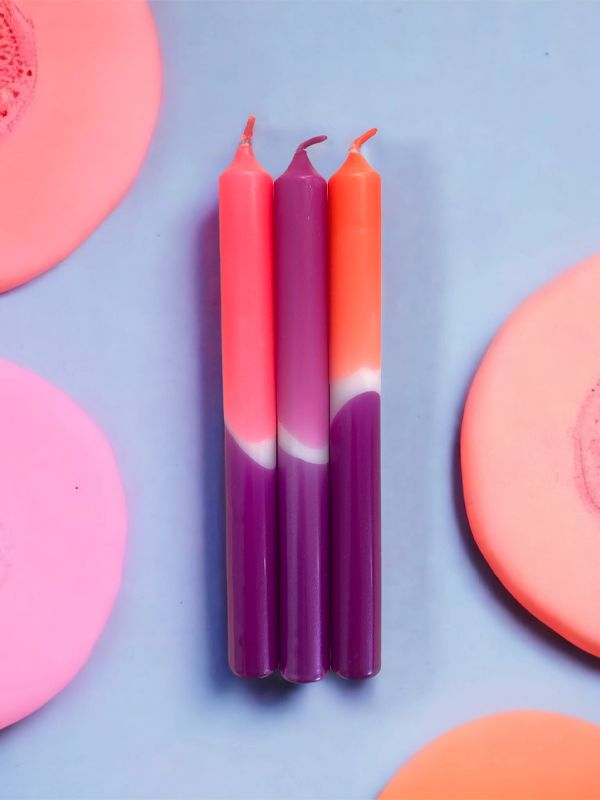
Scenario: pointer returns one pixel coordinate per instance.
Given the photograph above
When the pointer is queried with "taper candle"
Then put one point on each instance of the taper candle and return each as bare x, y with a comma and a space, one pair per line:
300, 203
247, 331
355, 381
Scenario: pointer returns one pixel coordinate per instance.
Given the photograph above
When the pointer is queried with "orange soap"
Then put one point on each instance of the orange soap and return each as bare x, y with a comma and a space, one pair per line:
530, 452
519, 755
80, 86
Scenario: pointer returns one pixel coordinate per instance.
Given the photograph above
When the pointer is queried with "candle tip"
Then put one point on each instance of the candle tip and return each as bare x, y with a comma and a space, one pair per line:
360, 140
309, 142
248, 130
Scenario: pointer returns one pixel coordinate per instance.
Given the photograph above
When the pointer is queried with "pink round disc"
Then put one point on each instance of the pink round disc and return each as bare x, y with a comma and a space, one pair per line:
80, 87
530, 451
62, 539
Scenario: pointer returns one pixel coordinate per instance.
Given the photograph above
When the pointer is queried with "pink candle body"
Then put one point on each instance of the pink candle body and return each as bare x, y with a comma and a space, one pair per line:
247, 331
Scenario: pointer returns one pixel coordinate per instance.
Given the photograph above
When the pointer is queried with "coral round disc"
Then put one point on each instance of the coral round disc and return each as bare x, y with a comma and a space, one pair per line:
530, 452
62, 540
79, 95
520, 755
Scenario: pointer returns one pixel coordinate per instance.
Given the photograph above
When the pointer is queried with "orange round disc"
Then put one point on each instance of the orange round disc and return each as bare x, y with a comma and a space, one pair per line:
79, 95
530, 452
520, 755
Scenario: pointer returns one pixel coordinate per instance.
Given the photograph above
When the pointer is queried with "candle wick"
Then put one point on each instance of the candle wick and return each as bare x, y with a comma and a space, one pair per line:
360, 140
309, 142
248, 130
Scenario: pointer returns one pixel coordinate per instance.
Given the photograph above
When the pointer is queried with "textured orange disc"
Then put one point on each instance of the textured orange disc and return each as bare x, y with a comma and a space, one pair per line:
530, 451
520, 755
80, 84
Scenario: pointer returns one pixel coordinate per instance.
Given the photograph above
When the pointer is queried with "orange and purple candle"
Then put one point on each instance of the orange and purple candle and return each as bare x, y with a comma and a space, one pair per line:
300, 211
248, 345
355, 381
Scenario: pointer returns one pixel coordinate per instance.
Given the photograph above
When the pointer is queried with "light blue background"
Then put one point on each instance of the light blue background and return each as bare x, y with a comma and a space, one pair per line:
489, 151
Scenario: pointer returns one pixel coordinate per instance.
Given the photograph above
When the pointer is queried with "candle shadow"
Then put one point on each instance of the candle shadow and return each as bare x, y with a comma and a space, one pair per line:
510, 604
412, 289
206, 272
213, 617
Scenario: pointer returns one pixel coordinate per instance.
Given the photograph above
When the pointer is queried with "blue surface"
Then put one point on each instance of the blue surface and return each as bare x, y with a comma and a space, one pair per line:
489, 154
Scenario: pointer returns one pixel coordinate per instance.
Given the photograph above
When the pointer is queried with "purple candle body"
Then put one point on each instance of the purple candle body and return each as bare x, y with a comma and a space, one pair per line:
300, 209
355, 537
251, 542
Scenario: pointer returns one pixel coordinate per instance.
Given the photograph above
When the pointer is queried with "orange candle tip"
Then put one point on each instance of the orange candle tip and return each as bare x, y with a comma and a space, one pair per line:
360, 140
248, 130
309, 142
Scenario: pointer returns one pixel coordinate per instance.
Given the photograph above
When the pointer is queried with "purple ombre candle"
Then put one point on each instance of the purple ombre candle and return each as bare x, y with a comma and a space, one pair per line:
300, 216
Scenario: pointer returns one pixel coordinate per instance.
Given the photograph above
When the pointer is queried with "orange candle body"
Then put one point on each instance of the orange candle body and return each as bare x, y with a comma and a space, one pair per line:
355, 385
248, 351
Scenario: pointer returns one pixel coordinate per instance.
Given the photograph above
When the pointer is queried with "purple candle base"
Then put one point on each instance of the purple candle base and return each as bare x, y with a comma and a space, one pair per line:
356, 538
251, 563
304, 574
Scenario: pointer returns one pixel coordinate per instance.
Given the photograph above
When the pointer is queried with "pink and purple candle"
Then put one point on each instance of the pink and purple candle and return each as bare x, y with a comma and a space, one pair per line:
248, 346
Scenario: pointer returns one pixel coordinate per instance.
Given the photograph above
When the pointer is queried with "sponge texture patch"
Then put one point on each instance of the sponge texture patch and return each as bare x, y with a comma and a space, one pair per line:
18, 64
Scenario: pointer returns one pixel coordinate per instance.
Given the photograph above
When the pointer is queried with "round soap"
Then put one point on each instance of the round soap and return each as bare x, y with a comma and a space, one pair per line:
62, 539
80, 87
519, 755
530, 452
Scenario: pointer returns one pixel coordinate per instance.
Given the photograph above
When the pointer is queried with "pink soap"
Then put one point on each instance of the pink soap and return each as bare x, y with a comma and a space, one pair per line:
62, 540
